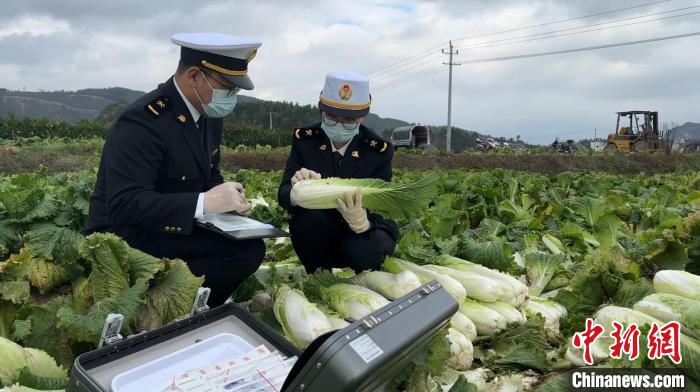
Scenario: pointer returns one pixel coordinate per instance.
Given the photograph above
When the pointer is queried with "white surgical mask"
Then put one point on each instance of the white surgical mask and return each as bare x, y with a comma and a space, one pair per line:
221, 102
337, 133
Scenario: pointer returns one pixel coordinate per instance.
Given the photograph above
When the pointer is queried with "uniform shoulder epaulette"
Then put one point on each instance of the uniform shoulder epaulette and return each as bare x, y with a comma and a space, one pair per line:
306, 133
377, 144
159, 105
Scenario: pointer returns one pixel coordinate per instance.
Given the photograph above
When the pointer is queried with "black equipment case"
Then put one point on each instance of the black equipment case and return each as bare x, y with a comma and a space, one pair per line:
364, 356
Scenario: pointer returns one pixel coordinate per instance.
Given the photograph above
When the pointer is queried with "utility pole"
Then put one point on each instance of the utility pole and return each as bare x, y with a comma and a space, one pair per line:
270, 120
448, 136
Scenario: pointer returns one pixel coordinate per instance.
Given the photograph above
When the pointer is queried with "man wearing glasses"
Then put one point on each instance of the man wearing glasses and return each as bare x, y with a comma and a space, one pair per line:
339, 146
160, 167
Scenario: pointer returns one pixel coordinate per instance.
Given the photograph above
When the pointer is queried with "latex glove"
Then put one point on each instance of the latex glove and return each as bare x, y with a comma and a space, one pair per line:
304, 174
300, 175
352, 211
226, 197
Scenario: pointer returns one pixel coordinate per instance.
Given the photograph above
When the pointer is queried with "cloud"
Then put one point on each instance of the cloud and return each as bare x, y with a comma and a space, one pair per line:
80, 43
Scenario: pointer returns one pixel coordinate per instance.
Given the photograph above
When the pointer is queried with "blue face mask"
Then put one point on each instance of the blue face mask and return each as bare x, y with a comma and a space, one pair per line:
337, 133
221, 102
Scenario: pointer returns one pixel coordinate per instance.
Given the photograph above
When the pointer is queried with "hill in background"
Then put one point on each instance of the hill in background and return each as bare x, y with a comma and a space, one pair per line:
105, 105
687, 131
63, 105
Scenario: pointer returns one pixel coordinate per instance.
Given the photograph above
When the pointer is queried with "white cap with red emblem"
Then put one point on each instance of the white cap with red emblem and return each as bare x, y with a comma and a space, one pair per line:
345, 94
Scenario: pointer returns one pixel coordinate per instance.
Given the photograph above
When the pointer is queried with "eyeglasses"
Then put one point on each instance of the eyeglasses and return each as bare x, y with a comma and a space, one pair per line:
229, 90
349, 124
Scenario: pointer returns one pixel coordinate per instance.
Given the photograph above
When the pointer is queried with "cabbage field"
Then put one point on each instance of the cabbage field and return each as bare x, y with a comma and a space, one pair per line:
529, 256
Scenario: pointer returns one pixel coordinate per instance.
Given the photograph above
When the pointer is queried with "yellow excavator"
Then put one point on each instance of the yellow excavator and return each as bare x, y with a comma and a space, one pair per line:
633, 135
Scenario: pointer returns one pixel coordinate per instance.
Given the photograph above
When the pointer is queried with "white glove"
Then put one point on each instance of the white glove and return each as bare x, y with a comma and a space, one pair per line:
353, 212
227, 197
304, 174
300, 175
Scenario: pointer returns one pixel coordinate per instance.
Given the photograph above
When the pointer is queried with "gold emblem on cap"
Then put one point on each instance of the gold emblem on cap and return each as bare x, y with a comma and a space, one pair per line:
345, 92
355, 154
182, 118
323, 147
251, 55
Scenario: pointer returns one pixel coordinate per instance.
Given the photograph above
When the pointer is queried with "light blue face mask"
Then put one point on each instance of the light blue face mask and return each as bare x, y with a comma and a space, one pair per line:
221, 102
337, 133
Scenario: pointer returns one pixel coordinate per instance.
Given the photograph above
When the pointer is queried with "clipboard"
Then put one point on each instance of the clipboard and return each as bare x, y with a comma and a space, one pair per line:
239, 227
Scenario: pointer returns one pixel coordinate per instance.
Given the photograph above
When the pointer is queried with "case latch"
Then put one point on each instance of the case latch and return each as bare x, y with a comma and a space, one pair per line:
111, 329
200, 301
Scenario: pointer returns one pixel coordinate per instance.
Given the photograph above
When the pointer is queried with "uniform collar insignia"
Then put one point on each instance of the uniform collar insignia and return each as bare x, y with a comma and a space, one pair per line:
305, 133
157, 106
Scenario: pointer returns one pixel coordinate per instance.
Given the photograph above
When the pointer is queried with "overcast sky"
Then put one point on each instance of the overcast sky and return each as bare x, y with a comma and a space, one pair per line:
75, 44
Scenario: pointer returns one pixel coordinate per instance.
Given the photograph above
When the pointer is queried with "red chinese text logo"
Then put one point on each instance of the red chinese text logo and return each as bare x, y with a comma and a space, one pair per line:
583, 340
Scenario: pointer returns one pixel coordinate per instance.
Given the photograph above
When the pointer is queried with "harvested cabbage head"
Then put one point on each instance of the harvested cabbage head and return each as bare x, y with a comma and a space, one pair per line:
680, 283
550, 310
461, 350
514, 291
477, 286
671, 307
463, 324
393, 198
389, 285
488, 322
352, 301
395, 265
300, 319
512, 315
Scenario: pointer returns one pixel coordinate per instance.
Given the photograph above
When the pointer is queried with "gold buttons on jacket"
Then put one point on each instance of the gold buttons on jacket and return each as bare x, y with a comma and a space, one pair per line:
171, 229
183, 178
179, 229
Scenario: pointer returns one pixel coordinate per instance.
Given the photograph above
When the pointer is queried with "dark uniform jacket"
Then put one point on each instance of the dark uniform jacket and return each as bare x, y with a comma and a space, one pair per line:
367, 156
153, 167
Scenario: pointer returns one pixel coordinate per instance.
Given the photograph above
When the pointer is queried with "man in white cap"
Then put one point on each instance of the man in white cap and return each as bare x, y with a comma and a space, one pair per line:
339, 146
160, 165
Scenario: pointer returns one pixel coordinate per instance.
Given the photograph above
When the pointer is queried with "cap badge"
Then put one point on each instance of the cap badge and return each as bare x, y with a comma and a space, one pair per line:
345, 92
323, 147
355, 154
182, 118
251, 55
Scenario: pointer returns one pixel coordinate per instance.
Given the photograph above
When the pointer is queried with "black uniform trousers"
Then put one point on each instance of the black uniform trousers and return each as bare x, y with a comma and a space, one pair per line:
224, 262
322, 239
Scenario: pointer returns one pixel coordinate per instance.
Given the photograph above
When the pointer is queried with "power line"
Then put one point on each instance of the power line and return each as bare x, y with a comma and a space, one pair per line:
407, 59
562, 21
583, 49
414, 76
422, 76
412, 59
505, 58
479, 46
423, 57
